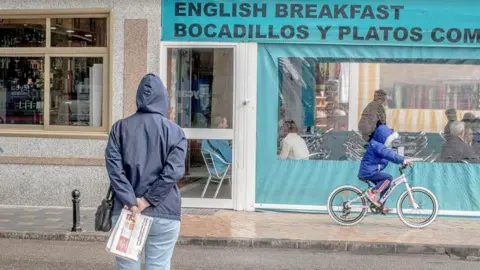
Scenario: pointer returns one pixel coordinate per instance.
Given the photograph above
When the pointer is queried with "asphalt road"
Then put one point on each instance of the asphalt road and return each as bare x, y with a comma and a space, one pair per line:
26, 254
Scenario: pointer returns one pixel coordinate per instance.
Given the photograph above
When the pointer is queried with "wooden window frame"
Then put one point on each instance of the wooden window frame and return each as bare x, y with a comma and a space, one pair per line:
47, 53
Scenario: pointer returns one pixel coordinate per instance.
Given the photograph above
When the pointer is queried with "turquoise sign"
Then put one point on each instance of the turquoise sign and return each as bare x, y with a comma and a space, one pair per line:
406, 22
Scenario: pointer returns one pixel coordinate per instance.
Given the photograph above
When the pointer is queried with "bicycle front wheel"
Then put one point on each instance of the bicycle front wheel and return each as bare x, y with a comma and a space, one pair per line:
424, 214
347, 206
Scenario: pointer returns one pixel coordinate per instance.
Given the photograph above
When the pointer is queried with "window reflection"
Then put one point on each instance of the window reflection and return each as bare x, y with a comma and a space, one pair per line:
79, 32
21, 90
76, 91
200, 81
17, 33
336, 106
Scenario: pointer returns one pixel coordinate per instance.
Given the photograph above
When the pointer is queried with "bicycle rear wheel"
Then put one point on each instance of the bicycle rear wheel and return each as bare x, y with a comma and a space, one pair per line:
347, 206
426, 212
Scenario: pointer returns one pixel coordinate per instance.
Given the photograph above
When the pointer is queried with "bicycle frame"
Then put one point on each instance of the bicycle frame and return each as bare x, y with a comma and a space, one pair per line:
361, 204
395, 183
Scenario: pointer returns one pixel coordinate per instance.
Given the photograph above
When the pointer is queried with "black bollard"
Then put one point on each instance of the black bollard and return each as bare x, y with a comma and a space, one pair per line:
76, 211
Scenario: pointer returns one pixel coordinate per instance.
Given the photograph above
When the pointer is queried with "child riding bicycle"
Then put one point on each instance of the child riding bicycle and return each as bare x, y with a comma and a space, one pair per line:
375, 160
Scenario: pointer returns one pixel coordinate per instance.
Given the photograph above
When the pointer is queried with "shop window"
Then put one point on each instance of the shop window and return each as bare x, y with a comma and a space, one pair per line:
19, 33
78, 32
79, 101
208, 162
200, 83
21, 90
321, 103
62, 86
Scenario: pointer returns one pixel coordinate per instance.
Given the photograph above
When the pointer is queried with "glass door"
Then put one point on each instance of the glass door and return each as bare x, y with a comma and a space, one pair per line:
200, 82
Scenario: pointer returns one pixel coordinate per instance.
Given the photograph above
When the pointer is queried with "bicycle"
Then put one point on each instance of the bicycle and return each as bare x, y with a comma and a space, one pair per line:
348, 207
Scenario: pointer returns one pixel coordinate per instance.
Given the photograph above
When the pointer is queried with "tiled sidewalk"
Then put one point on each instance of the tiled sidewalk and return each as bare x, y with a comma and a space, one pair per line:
42, 219
37, 219
376, 229
247, 225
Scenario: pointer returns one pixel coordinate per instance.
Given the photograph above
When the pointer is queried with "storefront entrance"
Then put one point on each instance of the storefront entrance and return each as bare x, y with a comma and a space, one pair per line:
208, 102
322, 66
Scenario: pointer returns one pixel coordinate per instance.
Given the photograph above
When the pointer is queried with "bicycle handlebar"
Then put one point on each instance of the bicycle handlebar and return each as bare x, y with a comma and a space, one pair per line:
403, 167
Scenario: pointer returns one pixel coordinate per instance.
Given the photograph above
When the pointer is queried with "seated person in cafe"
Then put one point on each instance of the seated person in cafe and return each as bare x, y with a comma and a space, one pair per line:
293, 146
221, 149
455, 148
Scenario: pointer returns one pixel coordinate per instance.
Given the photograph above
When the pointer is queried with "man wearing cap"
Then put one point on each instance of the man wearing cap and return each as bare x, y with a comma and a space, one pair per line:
373, 115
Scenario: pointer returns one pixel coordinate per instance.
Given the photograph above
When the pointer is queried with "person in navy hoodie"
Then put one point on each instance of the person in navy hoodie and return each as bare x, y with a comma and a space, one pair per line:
375, 160
145, 158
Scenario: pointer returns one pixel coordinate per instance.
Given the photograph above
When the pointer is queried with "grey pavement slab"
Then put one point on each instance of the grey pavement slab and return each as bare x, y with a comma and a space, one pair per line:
45, 219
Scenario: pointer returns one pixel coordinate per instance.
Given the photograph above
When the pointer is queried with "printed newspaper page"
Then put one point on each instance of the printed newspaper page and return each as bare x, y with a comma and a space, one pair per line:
128, 236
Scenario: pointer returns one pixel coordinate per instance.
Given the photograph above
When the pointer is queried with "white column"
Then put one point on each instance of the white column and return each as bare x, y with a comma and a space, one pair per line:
245, 131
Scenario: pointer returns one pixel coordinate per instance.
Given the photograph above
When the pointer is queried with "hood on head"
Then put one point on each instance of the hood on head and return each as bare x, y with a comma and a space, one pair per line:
152, 95
384, 135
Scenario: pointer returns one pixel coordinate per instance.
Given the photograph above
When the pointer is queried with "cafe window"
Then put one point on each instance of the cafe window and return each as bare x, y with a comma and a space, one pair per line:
322, 103
53, 72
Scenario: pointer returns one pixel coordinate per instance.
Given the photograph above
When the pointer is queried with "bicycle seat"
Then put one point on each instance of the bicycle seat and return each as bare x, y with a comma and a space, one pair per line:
368, 182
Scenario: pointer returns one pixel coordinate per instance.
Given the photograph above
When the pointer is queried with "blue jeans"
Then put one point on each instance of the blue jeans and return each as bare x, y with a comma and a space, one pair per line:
159, 247
382, 182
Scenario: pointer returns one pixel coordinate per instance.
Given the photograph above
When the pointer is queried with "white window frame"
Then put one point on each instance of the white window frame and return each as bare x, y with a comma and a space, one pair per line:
243, 131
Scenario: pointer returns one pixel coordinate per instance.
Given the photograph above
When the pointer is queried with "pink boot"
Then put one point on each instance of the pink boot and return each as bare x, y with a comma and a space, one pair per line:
372, 197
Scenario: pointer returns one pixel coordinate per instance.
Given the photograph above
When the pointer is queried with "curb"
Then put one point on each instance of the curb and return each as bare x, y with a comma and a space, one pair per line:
55, 236
338, 246
319, 245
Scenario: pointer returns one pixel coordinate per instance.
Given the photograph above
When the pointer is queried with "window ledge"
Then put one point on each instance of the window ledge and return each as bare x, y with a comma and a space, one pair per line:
74, 134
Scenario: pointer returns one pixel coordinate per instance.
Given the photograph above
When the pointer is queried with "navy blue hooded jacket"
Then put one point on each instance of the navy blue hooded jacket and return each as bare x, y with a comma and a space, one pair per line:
145, 154
378, 155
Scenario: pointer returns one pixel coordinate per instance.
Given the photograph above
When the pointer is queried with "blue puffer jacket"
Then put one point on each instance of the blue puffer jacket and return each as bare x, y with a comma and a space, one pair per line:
146, 153
377, 156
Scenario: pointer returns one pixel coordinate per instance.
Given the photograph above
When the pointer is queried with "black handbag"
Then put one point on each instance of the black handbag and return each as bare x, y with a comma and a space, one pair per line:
103, 216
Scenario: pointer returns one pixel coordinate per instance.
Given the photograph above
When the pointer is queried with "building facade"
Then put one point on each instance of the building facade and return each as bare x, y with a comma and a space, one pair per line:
270, 95
317, 66
69, 70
